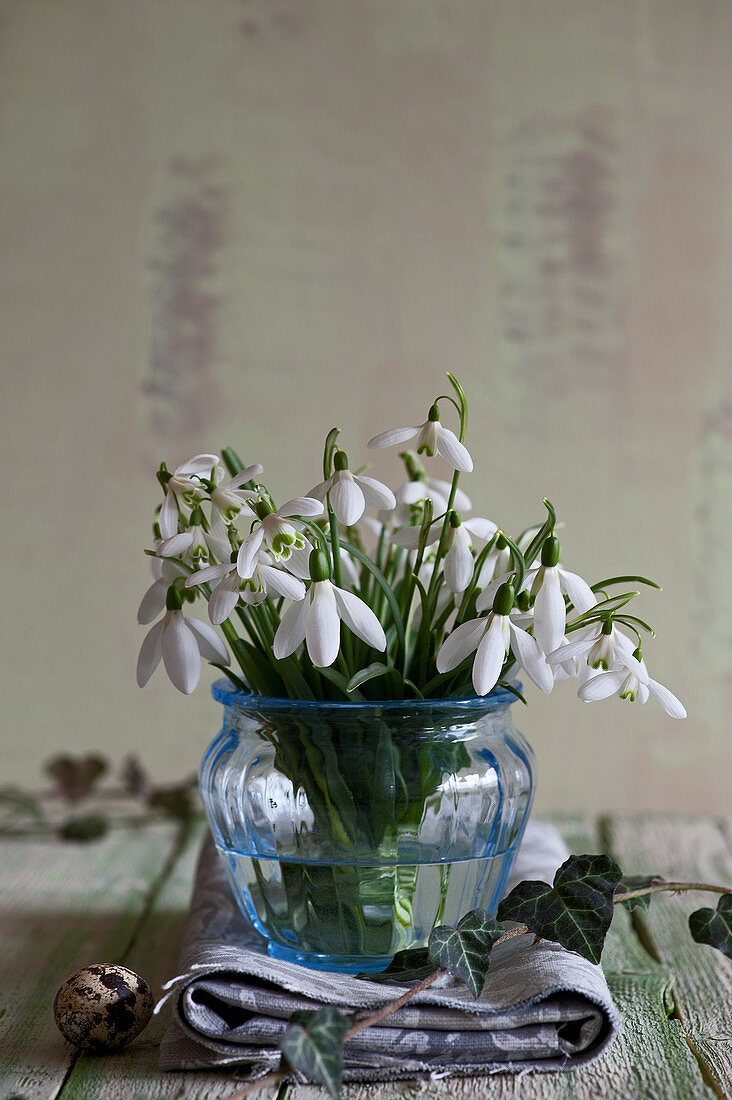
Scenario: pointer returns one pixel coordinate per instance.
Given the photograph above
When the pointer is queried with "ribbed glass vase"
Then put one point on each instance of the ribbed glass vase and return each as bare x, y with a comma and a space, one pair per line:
349, 830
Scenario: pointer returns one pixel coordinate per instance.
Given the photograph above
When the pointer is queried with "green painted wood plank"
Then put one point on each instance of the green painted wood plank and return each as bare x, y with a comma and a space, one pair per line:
63, 906
134, 1072
686, 849
649, 1060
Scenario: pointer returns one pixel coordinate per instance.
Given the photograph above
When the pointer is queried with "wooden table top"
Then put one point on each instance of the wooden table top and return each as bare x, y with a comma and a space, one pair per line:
124, 898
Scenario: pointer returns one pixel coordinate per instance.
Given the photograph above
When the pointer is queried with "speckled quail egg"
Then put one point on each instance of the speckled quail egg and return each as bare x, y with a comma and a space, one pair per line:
103, 1007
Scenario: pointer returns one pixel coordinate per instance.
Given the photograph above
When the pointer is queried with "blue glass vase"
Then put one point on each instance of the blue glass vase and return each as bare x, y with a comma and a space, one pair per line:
350, 830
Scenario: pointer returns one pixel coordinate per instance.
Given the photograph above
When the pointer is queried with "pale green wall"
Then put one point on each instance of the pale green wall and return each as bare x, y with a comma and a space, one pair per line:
244, 222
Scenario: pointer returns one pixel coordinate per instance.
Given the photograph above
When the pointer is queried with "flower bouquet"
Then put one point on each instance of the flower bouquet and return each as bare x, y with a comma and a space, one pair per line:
368, 784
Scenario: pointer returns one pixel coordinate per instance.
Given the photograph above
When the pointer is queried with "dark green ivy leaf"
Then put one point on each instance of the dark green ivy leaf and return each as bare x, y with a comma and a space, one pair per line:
576, 911
637, 882
714, 926
466, 950
410, 965
313, 1045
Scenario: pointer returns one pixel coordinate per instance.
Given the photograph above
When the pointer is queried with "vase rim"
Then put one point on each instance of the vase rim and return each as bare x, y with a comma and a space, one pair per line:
227, 693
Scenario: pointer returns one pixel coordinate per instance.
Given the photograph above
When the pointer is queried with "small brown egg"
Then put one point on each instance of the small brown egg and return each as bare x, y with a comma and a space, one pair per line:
103, 1007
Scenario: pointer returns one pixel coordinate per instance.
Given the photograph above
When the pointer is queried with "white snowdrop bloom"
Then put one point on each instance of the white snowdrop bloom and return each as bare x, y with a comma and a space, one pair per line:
181, 643
282, 539
497, 564
599, 646
430, 438
316, 620
195, 546
254, 589
459, 561
491, 639
230, 499
548, 584
184, 490
631, 684
440, 492
153, 601
350, 493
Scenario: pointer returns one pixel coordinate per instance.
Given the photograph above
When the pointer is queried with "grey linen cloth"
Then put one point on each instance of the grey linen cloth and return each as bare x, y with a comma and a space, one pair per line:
542, 1008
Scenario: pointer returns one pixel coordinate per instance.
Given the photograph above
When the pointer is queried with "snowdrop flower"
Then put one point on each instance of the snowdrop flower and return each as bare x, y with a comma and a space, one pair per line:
350, 493
153, 601
548, 583
195, 545
602, 645
491, 639
631, 684
281, 539
230, 499
254, 589
316, 619
184, 489
459, 557
181, 643
431, 438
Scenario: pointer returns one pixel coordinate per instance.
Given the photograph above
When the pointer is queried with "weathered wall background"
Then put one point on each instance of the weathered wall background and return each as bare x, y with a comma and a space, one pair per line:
248, 220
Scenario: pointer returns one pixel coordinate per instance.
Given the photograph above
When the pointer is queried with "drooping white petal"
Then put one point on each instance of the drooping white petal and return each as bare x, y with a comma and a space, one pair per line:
323, 626
412, 492
346, 498
485, 599
151, 651
301, 506
462, 501
181, 655
392, 437
245, 475
224, 599
207, 574
168, 517
460, 644
549, 612
177, 545
577, 647
483, 529
453, 451
299, 561
291, 631
318, 491
375, 493
602, 685
360, 619
459, 561
210, 644
200, 465
578, 590
408, 537
491, 654
246, 559
282, 583
673, 706
532, 659
153, 602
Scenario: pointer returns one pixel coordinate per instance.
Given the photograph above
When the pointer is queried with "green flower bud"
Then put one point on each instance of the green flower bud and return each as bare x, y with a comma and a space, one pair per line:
262, 509
415, 468
523, 600
174, 598
455, 520
319, 565
504, 599
434, 413
501, 543
340, 460
550, 551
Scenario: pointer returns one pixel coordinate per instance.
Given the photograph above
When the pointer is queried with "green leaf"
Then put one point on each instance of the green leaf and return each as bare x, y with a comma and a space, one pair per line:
576, 911
629, 883
466, 950
371, 673
410, 965
714, 926
313, 1045
339, 680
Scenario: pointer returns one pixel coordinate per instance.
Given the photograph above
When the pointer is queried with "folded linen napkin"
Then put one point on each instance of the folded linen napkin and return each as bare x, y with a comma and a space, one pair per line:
541, 1008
